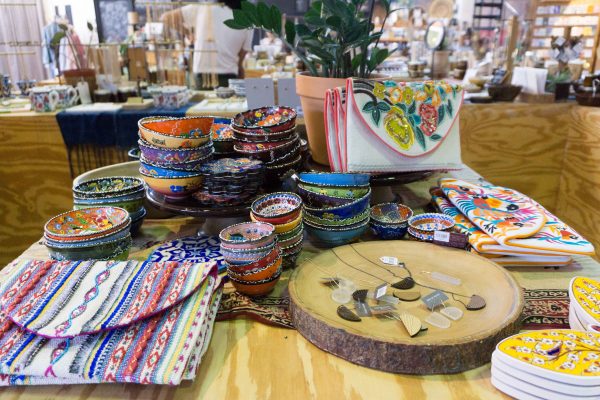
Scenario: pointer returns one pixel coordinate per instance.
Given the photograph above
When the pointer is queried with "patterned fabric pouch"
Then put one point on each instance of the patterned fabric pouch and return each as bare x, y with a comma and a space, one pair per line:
394, 127
93, 321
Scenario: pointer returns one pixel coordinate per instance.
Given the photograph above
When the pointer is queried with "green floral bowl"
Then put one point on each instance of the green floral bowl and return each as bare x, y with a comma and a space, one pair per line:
335, 191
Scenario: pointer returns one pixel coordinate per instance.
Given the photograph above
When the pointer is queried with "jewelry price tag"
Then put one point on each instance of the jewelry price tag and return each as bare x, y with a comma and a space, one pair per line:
434, 299
380, 290
450, 239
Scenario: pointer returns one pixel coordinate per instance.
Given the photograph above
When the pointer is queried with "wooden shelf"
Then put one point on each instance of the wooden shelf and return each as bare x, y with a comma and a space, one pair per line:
565, 26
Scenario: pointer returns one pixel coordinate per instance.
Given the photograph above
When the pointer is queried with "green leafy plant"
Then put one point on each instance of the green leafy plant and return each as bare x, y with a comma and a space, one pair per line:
563, 76
63, 32
333, 41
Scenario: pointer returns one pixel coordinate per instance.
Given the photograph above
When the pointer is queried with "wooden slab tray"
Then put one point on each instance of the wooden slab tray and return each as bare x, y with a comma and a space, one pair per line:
384, 344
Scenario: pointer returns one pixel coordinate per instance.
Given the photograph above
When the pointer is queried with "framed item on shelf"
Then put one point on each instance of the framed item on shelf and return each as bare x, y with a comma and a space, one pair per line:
112, 26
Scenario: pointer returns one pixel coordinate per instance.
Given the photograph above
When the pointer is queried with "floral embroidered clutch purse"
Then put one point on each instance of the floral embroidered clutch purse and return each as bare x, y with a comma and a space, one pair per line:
392, 127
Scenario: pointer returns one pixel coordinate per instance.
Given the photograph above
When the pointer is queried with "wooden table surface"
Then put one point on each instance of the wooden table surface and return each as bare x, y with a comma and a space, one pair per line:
249, 360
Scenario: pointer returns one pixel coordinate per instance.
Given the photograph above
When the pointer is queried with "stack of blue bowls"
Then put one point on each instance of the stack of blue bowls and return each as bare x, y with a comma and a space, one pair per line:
336, 206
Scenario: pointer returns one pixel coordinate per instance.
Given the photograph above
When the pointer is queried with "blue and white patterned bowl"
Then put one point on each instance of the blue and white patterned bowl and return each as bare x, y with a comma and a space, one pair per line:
341, 212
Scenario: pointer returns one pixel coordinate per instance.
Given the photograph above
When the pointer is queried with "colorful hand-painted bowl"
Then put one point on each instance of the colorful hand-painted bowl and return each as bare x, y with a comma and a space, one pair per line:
137, 221
336, 236
262, 137
270, 154
174, 188
108, 187
222, 135
251, 147
289, 234
289, 260
283, 228
335, 191
257, 288
259, 274
342, 212
277, 208
247, 235
288, 158
299, 236
388, 231
175, 133
336, 222
328, 179
230, 167
108, 237
391, 214
162, 156
423, 226
319, 200
242, 257
79, 225
131, 205
258, 264
273, 173
172, 170
265, 119
112, 250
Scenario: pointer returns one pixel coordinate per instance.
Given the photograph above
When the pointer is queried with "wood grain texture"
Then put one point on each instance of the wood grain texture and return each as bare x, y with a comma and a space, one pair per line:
35, 183
579, 190
384, 344
517, 145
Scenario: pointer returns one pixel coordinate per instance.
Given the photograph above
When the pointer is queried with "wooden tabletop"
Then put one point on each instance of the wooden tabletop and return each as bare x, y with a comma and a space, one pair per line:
248, 360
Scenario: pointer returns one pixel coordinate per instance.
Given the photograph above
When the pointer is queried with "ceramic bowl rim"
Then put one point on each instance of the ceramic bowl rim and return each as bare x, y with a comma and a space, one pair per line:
80, 242
124, 221
172, 177
291, 231
202, 160
274, 277
275, 167
259, 269
327, 185
359, 224
291, 143
128, 236
263, 197
138, 185
336, 208
439, 216
364, 215
267, 225
162, 119
142, 142
301, 186
379, 222
292, 116
293, 223
275, 249
138, 194
295, 237
252, 250
105, 201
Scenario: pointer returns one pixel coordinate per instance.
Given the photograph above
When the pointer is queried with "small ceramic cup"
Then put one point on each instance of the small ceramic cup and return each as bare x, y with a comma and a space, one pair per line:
67, 95
43, 99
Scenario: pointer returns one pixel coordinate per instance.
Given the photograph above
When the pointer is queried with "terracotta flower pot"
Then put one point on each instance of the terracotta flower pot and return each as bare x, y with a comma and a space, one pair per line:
311, 91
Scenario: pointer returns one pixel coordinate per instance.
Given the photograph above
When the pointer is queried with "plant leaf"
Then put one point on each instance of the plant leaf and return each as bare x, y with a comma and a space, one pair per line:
420, 137
441, 115
435, 137
383, 106
57, 38
90, 26
242, 19
231, 23
412, 108
276, 20
251, 12
290, 32
376, 114
334, 22
264, 15
369, 106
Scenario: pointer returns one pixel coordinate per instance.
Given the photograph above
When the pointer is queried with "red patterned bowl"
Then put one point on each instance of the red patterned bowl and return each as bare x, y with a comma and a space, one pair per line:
263, 137
258, 264
258, 288
277, 208
260, 274
175, 133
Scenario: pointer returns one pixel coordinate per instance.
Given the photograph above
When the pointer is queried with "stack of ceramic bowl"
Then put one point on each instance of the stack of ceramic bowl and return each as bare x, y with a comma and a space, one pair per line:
390, 220
284, 211
584, 297
96, 233
268, 134
423, 226
230, 181
222, 137
336, 206
126, 192
252, 257
173, 151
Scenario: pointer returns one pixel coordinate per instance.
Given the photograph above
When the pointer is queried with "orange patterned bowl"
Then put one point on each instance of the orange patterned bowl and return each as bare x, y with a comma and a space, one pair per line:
258, 288
176, 133
86, 224
260, 274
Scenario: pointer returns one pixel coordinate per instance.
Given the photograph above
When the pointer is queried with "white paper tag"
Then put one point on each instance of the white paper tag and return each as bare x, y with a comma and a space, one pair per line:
389, 260
441, 236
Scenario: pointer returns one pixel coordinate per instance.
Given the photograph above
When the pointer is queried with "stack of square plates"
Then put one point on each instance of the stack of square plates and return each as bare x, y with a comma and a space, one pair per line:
548, 364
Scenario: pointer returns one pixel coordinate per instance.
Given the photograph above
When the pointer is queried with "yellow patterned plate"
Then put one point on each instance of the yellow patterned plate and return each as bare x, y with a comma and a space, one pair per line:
563, 355
585, 296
